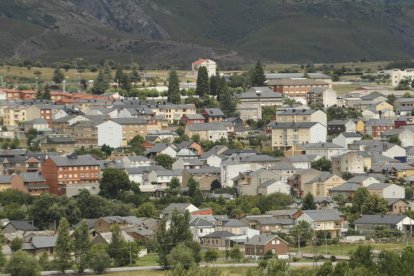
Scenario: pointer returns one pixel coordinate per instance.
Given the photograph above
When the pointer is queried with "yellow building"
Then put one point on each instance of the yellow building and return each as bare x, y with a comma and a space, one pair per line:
320, 185
5, 182
14, 114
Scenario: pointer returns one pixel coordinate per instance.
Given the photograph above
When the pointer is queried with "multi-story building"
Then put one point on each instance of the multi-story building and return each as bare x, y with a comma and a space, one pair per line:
398, 75
174, 112
210, 131
61, 172
320, 185
330, 221
251, 103
287, 135
14, 114
31, 183
375, 128
322, 97
209, 64
350, 162
296, 88
296, 115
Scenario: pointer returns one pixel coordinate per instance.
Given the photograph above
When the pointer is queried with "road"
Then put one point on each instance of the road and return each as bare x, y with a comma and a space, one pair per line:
143, 268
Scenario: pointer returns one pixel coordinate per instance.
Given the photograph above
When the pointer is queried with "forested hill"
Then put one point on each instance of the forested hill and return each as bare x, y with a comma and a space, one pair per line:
231, 31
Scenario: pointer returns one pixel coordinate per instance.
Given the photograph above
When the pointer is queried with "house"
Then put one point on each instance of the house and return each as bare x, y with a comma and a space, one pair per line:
346, 190
386, 190
38, 245
213, 115
368, 224
257, 247
298, 180
118, 132
349, 162
329, 220
375, 127
218, 240
173, 112
235, 164
300, 115
185, 164
269, 223
397, 75
39, 124
137, 161
209, 64
296, 89
106, 238
190, 145
398, 205
324, 97
140, 175
189, 119
209, 131
161, 178
336, 127
5, 182
274, 186
32, 183
324, 149
320, 185
364, 180
251, 103
404, 134
248, 182
383, 148
283, 168
200, 227
346, 138
161, 135
15, 226
398, 170
302, 161
205, 176
286, 135
62, 171
180, 207
235, 226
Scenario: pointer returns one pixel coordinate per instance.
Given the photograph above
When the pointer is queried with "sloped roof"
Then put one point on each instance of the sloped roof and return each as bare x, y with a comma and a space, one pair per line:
219, 234
262, 239
22, 225
200, 222
80, 160
380, 219
323, 215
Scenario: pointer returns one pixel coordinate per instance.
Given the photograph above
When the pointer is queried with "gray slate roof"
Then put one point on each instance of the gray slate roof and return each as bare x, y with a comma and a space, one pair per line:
261, 239
380, 219
323, 215
22, 225
80, 160
219, 234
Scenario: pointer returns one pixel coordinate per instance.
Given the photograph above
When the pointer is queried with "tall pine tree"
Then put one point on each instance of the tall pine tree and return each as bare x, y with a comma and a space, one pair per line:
107, 72
228, 102
101, 83
64, 246
46, 93
118, 249
82, 245
173, 88
214, 85
202, 82
119, 73
258, 77
58, 76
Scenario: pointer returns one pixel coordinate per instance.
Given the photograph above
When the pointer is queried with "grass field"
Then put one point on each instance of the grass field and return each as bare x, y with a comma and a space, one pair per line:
347, 249
231, 271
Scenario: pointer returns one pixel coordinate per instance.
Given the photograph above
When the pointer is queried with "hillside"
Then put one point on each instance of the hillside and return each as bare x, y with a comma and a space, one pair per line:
158, 32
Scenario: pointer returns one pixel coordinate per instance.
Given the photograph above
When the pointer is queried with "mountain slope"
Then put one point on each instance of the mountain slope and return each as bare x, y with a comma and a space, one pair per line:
231, 31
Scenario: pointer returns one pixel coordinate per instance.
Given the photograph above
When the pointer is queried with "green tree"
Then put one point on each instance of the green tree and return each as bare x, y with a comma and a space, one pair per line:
322, 164
181, 254
391, 99
101, 83
389, 263
308, 202
193, 186
235, 254
16, 244
64, 246
163, 241
211, 255
359, 198
228, 102
22, 264
301, 232
374, 205
136, 145
362, 257
118, 248
99, 259
114, 183
125, 82
119, 72
173, 88
258, 77
58, 76
134, 76
164, 160
148, 210
214, 85
395, 140
325, 270
202, 82
107, 73
81, 246
276, 267
46, 93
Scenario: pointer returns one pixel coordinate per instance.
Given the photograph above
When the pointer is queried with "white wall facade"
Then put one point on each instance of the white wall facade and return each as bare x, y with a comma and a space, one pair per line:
110, 133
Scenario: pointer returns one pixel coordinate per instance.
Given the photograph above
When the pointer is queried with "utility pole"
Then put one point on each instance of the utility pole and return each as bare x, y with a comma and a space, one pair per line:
130, 253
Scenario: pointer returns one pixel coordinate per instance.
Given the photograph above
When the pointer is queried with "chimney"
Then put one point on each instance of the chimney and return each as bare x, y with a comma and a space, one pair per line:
260, 239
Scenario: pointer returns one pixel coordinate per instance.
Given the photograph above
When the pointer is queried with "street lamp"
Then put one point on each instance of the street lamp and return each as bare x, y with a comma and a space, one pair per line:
259, 109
